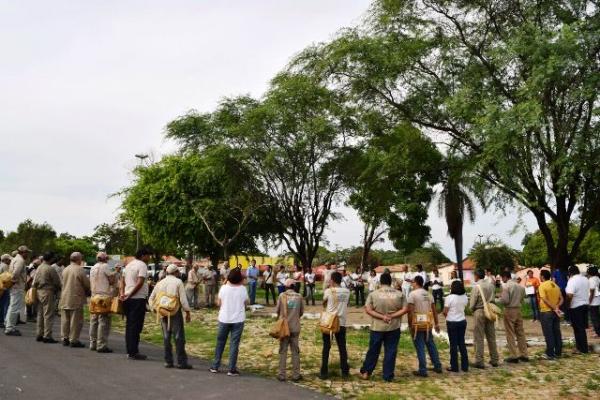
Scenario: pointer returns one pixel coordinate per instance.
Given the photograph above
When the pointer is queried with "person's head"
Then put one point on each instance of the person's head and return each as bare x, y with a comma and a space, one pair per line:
418, 282
289, 283
195, 267
358, 270
478, 274
457, 288
453, 275
436, 273
235, 276
281, 268
173, 270
269, 268
385, 279
342, 271
336, 278
6, 258
545, 275
23, 251
102, 257
573, 270
76, 257
143, 254
49, 257
327, 266
36, 261
530, 273
118, 267
386, 271
505, 275
592, 270
373, 273
419, 267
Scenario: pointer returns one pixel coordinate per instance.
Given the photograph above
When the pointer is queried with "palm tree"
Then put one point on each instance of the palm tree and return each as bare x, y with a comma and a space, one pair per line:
454, 205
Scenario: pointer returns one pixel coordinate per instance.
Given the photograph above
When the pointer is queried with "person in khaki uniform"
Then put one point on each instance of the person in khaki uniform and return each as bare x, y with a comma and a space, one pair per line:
295, 309
512, 296
210, 288
17, 291
191, 286
47, 285
102, 280
5, 261
76, 286
483, 328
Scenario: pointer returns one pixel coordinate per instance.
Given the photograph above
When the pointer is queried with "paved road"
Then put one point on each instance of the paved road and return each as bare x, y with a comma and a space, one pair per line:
30, 370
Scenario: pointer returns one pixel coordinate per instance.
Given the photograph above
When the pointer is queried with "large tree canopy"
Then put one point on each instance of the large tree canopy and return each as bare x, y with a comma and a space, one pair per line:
511, 85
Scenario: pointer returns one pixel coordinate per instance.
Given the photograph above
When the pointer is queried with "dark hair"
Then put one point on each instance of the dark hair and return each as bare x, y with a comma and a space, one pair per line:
419, 267
336, 277
385, 279
573, 270
144, 251
506, 274
479, 273
458, 288
545, 274
235, 276
592, 270
528, 271
418, 280
49, 257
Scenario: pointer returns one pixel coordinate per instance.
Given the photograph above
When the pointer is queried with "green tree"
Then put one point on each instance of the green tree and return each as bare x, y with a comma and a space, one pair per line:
493, 255
116, 238
66, 244
511, 85
429, 256
38, 237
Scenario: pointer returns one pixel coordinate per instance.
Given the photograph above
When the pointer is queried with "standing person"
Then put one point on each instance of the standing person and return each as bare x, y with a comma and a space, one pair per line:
31, 271
421, 272
511, 297
346, 280
483, 327
102, 282
290, 304
5, 296
224, 273
252, 275
456, 323
282, 276
191, 286
437, 289
76, 287
17, 291
298, 277
407, 279
578, 292
327, 275
335, 300
269, 287
561, 278
550, 302
531, 289
374, 282
309, 284
210, 281
386, 307
454, 277
419, 303
594, 300
134, 293
358, 281
489, 276
172, 326
232, 300
47, 285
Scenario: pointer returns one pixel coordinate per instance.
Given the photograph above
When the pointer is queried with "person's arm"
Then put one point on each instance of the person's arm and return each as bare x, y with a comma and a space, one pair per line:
218, 301
301, 308
399, 313
504, 298
435, 318
570, 292
411, 311
138, 285
474, 297
278, 307
371, 311
183, 300
445, 312
17, 271
325, 299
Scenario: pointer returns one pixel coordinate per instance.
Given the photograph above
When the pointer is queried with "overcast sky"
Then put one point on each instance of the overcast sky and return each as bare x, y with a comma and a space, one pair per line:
86, 85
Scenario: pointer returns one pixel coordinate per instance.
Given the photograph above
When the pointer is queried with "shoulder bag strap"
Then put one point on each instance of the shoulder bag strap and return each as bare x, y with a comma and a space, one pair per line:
482, 295
285, 298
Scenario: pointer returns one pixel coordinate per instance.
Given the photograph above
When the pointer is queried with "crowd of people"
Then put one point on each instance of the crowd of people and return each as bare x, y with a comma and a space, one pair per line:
46, 287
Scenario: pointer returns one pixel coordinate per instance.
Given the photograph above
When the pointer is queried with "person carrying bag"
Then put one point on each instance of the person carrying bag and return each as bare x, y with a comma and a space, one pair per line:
290, 307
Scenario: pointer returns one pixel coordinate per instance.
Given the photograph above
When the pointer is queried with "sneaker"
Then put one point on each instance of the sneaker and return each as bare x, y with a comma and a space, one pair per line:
478, 365
213, 370
420, 375
77, 345
168, 365
39, 339
547, 357
14, 332
65, 342
93, 348
438, 370
298, 378
233, 372
524, 359
511, 360
494, 364
50, 340
104, 350
365, 376
280, 379
185, 366
323, 376
138, 357
449, 369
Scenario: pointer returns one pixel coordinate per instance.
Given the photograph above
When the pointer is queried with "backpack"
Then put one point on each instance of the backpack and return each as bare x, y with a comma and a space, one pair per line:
100, 304
6, 280
329, 323
166, 305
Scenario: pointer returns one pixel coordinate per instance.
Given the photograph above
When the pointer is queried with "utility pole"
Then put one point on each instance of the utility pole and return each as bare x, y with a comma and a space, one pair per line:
140, 157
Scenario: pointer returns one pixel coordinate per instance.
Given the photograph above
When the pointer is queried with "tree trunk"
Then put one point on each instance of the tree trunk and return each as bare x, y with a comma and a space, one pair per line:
458, 247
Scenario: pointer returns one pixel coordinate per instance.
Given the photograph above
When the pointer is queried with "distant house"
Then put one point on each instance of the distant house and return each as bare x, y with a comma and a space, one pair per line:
468, 267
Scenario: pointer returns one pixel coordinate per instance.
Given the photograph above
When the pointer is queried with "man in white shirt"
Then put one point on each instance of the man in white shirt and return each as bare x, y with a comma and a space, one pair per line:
407, 279
437, 289
309, 283
594, 298
102, 280
359, 278
134, 294
172, 326
578, 291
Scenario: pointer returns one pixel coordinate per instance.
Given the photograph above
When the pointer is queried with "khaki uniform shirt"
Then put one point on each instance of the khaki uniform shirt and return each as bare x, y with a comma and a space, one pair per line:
192, 279
421, 301
19, 272
75, 286
385, 300
488, 290
512, 295
172, 286
4, 267
295, 309
100, 278
46, 278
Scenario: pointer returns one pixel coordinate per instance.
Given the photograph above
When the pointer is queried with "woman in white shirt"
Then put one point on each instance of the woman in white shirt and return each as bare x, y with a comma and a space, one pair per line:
594, 298
268, 276
232, 300
456, 323
309, 284
373, 281
281, 278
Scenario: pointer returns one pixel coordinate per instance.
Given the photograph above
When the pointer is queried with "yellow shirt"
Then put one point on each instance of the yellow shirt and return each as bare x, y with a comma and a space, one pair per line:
549, 291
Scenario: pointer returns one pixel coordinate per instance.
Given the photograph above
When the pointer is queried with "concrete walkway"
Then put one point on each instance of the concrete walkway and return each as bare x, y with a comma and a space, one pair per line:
30, 370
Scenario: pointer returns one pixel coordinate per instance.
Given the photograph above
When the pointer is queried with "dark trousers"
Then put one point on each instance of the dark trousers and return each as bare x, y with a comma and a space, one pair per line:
595, 316
564, 308
533, 303
135, 312
223, 332
270, 288
579, 323
173, 328
438, 296
424, 341
340, 339
310, 293
390, 350
4, 302
552, 335
456, 335
359, 295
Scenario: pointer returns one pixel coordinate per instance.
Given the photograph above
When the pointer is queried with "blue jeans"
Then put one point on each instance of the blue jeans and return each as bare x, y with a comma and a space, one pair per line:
234, 344
456, 334
552, 335
4, 302
390, 349
280, 289
421, 341
252, 288
534, 306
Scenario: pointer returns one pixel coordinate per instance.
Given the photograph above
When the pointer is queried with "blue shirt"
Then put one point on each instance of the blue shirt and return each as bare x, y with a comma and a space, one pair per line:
560, 278
252, 273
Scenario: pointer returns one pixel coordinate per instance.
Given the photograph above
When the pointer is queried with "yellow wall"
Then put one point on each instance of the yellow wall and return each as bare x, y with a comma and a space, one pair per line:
245, 261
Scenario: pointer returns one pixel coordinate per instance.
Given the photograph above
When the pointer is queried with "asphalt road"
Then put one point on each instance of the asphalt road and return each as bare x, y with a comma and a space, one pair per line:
30, 370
